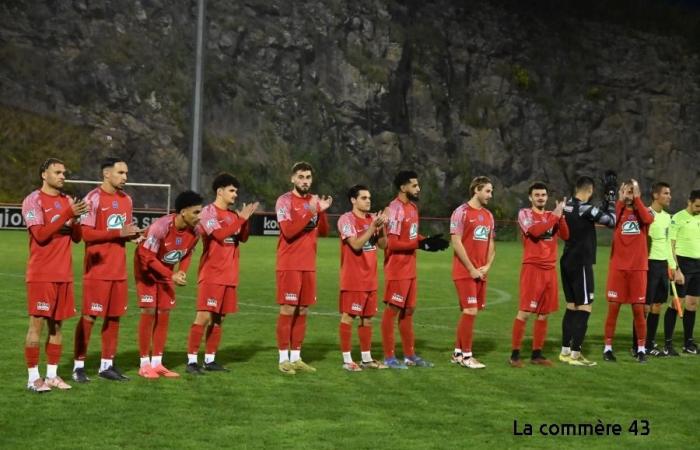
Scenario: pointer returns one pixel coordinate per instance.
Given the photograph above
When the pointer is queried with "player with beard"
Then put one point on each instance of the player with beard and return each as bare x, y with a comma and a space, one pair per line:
105, 228
302, 220
51, 221
169, 241
360, 234
472, 231
400, 283
685, 242
627, 273
539, 292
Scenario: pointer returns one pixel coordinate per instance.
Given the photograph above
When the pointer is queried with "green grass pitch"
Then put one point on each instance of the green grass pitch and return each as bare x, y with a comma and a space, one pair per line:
254, 406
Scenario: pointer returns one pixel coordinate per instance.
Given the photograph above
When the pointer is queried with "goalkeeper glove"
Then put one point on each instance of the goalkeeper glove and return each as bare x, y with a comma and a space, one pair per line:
433, 243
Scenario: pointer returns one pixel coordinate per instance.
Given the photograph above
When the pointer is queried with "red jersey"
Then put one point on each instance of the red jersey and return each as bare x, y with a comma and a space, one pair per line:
164, 246
299, 230
540, 232
476, 228
358, 268
629, 247
47, 218
105, 250
222, 232
400, 264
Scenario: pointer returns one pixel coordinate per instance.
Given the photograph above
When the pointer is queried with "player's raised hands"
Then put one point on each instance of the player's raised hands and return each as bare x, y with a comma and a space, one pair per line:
636, 192
180, 278
324, 202
79, 207
559, 208
379, 220
247, 210
130, 231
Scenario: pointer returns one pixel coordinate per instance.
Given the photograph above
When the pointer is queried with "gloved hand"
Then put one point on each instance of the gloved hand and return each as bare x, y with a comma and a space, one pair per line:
610, 186
433, 243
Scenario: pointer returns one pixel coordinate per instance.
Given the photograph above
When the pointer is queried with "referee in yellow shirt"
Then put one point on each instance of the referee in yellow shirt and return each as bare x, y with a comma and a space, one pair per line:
685, 243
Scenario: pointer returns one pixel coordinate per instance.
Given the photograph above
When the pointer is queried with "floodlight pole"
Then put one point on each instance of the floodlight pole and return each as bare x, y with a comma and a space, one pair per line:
196, 159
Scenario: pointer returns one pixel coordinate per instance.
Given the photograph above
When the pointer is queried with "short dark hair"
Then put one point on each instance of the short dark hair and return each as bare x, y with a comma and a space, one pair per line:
186, 199
354, 191
694, 195
223, 180
657, 187
302, 166
110, 162
404, 177
537, 185
478, 183
48, 163
584, 182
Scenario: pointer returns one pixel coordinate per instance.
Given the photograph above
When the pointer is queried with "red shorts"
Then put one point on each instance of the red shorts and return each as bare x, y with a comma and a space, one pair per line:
155, 295
48, 299
539, 290
627, 286
358, 303
471, 293
105, 298
295, 287
217, 298
401, 293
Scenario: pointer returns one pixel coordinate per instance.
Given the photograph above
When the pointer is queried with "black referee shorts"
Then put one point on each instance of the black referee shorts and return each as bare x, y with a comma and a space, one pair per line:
657, 281
691, 271
577, 282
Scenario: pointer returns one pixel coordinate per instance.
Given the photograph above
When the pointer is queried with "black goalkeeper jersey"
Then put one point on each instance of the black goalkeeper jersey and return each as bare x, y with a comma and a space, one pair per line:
581, 217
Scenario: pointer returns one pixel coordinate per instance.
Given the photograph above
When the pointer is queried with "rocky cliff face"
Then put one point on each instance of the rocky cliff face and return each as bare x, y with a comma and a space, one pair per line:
361, 89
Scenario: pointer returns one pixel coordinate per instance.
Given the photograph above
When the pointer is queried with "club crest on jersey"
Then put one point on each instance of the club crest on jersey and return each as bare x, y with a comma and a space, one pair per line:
147, 299
413, 231
116, 221
481, 233
42, 306
356, 307
178, 241
115, 204
630, 227
57, 204
173, 256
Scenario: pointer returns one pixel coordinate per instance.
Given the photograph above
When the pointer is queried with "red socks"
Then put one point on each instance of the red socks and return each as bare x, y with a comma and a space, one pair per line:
345, 331
388, 331
31, 356
110, 336
284, 331
640, 324
365, 334
466, 332
213, 338
195, 338
298, 331
145, 333
518, 333
611, 322
539, 334
160, 333
83, 330
53, 353
407, 335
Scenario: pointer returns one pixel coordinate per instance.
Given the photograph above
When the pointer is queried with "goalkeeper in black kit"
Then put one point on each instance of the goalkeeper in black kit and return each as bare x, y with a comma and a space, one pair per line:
577, 262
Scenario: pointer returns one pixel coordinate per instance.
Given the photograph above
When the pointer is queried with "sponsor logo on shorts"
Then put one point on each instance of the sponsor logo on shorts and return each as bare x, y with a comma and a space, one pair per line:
95, 307
147, 299
471, 300
41, 305
397, 298
356, 307
481, 233
290, 297
212, 302
612, 294
630, 227
533, 304
641, 298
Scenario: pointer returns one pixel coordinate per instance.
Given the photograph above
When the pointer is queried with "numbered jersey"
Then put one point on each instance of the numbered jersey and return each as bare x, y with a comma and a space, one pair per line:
629, 249
169, 246
403, 222
476, 229
106, 260
358, 268
50, 261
